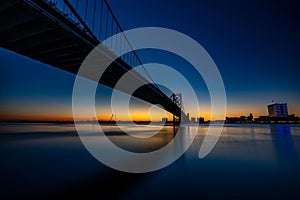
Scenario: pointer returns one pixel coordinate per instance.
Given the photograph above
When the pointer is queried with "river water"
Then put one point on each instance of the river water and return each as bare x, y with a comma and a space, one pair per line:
249, 161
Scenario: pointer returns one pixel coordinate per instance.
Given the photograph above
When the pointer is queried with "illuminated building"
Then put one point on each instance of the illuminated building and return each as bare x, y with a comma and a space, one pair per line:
278, 109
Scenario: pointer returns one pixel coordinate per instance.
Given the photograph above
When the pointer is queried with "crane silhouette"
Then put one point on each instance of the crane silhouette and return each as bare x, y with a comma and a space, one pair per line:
112, 117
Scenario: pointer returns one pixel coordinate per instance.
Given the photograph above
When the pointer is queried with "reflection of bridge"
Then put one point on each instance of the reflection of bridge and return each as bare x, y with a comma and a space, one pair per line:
61, 33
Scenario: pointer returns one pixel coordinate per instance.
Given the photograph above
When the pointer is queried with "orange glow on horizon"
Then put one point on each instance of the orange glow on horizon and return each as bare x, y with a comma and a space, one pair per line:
141, 114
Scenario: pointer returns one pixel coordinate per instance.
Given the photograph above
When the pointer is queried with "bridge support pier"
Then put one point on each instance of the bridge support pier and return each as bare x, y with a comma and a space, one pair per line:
176, 122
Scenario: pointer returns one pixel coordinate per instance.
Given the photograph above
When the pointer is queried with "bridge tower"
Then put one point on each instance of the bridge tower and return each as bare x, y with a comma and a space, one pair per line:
177, 99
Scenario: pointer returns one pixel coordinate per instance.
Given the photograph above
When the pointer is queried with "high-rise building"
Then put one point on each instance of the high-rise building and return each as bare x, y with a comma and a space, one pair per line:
278, 109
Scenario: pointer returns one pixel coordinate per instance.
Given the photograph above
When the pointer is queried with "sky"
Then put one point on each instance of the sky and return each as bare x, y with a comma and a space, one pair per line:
255, 45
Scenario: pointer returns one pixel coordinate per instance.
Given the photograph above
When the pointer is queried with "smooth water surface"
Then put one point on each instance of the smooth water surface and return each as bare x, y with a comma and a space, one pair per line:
249, 161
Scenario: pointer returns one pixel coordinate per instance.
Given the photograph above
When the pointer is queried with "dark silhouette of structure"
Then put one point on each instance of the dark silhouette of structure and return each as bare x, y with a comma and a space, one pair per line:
62, 33
200, 120
291, 119
239, 120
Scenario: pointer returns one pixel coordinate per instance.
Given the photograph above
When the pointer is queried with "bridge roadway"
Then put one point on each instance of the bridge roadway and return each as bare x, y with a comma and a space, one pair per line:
39, 31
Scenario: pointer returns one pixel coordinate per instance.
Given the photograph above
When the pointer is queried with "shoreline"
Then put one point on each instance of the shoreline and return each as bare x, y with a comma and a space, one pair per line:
137, 122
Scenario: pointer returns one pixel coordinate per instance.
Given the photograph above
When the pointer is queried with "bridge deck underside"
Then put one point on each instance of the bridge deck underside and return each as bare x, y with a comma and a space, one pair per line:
42, 33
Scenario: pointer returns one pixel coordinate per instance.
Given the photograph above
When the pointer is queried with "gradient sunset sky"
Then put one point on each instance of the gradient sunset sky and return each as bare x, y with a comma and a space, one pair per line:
255, 44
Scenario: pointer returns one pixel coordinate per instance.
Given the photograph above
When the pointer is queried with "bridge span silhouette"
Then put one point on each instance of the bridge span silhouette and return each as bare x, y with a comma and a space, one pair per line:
62, 33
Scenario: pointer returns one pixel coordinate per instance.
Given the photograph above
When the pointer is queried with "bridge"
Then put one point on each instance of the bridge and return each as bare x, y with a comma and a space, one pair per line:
61, 33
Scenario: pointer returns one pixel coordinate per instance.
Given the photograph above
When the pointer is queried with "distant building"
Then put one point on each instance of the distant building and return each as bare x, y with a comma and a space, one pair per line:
200, 120
250, 118
236, 120
262, 119
193, 119
188, 116
239, 120
164, 120
278, 109
291, 119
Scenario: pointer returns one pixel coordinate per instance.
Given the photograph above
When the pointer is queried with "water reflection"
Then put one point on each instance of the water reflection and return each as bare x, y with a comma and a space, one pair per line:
283, 143
248, 161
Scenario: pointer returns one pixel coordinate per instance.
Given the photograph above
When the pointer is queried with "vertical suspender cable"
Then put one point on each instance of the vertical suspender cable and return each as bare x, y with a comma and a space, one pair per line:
86, 9
100, 23
95, 3
111, 34
139, 60
116, 39
76, 5
106, 26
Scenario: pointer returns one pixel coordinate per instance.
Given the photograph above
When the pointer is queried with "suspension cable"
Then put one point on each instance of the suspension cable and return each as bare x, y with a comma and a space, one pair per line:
130, 46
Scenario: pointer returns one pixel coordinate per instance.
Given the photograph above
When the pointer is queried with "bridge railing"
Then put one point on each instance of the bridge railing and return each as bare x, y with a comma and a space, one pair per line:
96, 18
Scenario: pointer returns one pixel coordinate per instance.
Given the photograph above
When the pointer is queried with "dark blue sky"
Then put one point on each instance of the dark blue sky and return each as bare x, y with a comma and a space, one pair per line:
255, 44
